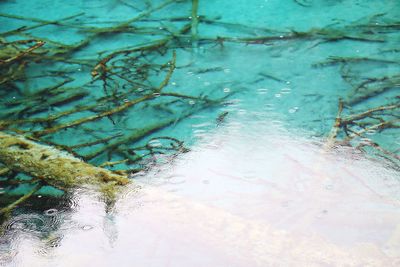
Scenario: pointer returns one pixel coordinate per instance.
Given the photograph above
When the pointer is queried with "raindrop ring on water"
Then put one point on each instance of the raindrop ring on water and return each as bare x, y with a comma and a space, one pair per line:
51, 212
87, 227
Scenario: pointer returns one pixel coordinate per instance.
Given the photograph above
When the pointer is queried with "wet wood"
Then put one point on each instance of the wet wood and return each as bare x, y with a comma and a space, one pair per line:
52, 165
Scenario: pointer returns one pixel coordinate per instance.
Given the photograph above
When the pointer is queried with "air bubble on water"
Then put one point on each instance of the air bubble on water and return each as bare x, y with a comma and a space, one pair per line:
227, 70
126, 100
87, 227
262, 91
155, 143
51, 212
278, 95
192, 102
227, 90
173, 83
286, 90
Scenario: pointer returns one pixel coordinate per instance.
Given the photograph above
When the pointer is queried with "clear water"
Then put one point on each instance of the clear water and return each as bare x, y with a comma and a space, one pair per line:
259, 187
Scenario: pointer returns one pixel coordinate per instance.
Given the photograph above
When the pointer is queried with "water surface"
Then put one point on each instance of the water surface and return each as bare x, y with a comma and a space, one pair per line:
258, 183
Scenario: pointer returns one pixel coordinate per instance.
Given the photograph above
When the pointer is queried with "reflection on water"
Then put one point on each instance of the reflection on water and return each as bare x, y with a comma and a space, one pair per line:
248, 195
251, 193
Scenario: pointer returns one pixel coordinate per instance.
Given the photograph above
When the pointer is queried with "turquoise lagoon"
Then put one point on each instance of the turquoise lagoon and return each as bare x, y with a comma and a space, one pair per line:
243, 170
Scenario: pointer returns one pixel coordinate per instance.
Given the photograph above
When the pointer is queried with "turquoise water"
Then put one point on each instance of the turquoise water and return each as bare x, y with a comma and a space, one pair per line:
231, 158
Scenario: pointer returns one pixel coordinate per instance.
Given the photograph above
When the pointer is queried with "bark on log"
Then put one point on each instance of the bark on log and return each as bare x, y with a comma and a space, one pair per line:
54, 166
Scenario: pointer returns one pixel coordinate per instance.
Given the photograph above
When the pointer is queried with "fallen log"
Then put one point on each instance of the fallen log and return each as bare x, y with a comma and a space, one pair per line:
53, 166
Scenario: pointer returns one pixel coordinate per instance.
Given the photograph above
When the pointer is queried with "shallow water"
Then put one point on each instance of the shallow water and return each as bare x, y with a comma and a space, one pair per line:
248, 196
260, 184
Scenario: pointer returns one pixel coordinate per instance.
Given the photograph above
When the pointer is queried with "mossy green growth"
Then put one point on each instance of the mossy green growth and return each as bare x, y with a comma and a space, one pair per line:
53, 166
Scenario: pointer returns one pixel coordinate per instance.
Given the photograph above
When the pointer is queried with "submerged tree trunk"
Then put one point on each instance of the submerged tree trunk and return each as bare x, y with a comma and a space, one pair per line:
51, 165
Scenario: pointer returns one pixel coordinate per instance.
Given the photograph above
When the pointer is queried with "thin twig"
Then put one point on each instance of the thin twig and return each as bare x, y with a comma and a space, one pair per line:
13, 205
336, 127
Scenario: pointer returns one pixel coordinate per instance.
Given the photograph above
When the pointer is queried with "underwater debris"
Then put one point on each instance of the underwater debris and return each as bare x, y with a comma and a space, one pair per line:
45, 104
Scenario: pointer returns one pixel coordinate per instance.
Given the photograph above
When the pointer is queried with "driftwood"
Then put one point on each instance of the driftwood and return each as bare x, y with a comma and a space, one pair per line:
53, 166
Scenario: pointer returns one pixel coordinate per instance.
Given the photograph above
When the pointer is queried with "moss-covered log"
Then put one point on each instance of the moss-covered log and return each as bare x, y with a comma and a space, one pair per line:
53, 166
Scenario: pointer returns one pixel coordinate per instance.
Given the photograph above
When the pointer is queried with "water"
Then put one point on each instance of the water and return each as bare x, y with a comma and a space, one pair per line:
249, 181
245, 197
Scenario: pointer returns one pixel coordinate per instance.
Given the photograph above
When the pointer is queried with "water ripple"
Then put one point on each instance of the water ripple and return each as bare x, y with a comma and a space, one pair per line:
30, 223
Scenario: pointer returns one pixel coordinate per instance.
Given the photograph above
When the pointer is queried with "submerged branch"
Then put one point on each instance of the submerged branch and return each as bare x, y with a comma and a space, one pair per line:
52, 165
195, 21
6, 210
336, 127
367, 113
129, 81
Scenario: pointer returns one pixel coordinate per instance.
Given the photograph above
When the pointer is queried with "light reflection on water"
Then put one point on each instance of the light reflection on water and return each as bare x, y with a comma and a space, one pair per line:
248, 195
